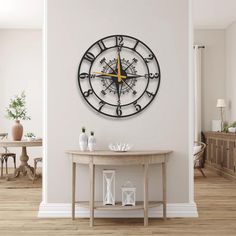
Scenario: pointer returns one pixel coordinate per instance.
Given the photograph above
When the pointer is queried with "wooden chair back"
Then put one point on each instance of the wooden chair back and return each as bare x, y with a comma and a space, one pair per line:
199, 155
2, 137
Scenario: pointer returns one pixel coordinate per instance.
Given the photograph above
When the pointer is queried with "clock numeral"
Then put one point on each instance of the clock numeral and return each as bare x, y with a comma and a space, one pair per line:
83, 75
102, 45
135, 46
152, 76
86, 75
149, 58
89, 56
119, 42
150, 94
102, 104
137, 106
87, 93
118, 110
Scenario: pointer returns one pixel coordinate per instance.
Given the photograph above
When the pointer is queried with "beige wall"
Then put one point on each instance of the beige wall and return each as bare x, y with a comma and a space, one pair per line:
231, 72
213, 72
218, 72
72, 26
21, 69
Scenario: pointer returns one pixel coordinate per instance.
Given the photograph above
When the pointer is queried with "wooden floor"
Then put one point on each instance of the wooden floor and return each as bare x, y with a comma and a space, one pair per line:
215, 197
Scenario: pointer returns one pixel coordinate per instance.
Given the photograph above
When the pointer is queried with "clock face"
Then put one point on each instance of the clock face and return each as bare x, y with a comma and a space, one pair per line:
119, 76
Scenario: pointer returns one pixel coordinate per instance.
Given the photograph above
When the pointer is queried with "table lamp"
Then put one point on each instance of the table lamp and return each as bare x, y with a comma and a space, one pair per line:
221, 104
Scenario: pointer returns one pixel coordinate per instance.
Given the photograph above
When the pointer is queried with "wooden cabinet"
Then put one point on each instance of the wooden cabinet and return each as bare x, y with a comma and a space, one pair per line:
221, 153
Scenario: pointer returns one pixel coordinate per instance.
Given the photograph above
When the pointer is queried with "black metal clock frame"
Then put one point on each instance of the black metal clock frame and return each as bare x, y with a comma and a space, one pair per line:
89, 57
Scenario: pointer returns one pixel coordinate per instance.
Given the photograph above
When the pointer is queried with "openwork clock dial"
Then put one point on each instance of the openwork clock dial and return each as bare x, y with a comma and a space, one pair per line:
119, 76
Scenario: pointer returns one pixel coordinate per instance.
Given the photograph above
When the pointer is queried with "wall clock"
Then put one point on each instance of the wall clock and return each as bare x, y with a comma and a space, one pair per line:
119, 76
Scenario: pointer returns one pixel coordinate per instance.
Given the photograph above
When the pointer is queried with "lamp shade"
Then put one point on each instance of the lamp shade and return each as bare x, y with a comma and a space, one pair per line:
220, 103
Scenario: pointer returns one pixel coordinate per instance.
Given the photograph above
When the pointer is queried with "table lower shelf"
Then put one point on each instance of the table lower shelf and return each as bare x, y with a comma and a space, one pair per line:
118, 206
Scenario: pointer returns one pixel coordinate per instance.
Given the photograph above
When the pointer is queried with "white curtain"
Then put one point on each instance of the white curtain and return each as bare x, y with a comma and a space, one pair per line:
197, 91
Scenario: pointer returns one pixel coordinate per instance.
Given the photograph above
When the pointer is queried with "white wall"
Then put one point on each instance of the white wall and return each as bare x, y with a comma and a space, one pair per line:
213, 72
231, 72
21, 69
72, 26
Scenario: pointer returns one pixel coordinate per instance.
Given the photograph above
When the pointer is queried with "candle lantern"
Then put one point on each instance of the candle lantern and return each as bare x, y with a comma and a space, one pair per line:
108, 187
128, 194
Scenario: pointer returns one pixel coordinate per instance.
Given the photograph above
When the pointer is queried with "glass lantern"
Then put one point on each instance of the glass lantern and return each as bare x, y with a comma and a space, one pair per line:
128, 194
108, 187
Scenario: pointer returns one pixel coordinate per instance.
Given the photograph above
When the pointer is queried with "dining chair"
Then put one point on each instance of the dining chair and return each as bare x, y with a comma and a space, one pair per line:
5, 155
199, 148
36, 161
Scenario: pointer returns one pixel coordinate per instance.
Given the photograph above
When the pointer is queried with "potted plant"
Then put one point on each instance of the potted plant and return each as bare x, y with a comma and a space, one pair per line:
30, 136
231, 127
17, 111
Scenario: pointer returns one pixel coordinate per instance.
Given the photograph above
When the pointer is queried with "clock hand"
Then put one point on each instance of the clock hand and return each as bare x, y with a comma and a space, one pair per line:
118, 68
107, 74
118, 78
134, 76
118, 90
103, 77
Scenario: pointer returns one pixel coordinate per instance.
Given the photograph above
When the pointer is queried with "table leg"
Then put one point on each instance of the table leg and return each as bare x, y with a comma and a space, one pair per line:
73, 189
164, 189
145, 201
92, 179
24, 167
2, 161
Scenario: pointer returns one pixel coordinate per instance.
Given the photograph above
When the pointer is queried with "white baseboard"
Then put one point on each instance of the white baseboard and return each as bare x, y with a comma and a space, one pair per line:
63, 210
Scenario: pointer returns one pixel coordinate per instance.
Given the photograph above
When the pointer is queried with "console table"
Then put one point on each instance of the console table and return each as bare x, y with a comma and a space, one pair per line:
105, 158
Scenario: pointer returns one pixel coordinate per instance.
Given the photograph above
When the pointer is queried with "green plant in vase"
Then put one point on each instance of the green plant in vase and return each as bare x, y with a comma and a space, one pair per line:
17, 111
233, 124
30, 136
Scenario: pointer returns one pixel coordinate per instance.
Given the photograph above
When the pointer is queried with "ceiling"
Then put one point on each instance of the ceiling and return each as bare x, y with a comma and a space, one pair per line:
213, 14
207, 14
21, 14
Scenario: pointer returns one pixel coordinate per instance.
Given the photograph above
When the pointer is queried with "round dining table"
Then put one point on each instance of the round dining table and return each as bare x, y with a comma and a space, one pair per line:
24, 167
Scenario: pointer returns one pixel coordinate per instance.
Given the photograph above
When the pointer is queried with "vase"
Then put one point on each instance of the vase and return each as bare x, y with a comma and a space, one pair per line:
91, 143
232, 129
83, 141
17, 131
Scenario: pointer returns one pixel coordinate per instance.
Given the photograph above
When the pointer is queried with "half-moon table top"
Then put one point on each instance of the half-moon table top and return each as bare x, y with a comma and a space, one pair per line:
119, 158
113, 153
22, 143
